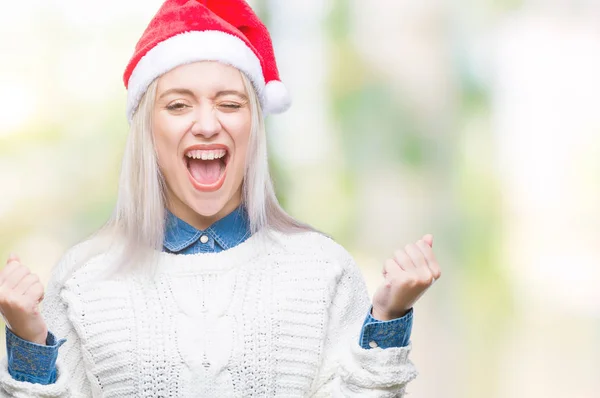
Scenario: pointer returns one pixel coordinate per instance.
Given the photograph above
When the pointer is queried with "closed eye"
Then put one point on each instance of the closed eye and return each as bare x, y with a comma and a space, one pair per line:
177, 106
231, 105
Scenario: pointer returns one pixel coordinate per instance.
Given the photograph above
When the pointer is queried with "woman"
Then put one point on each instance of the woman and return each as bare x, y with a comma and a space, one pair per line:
200, 285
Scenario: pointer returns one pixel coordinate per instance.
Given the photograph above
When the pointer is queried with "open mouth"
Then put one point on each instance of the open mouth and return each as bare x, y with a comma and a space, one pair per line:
207, 167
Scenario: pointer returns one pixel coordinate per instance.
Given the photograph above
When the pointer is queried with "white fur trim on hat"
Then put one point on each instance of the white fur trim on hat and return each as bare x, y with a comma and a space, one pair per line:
188, 47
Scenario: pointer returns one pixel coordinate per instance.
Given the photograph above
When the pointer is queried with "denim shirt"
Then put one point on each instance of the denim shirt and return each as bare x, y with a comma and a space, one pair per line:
36, 363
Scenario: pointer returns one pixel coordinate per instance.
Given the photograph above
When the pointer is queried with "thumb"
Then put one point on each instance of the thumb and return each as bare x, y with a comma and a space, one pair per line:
428, 239
11, 257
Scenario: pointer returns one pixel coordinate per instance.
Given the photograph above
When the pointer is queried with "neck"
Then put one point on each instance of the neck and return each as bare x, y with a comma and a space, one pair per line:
200, 221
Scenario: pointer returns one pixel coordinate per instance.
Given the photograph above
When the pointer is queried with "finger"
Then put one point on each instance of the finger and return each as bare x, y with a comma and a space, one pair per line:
432, 262
428, 238
15, 277
8, 269
424, 274
415, 255
403, 260
35, 292
25, 283
12, 257
390, 267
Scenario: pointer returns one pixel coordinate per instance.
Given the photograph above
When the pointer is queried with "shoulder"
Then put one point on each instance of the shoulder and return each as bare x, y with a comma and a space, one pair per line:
313, 245
79, 259
315, 257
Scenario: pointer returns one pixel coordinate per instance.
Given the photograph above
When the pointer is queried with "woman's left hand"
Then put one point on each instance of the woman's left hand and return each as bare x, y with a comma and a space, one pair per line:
407, 276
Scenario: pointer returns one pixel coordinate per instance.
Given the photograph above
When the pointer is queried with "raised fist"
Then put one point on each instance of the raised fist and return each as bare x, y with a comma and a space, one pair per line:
20, 295
406, 277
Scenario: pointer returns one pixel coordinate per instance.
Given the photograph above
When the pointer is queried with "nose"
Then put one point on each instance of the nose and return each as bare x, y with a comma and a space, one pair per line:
206, 122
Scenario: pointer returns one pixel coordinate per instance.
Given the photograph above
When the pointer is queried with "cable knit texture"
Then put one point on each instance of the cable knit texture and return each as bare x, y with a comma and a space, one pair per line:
276, 316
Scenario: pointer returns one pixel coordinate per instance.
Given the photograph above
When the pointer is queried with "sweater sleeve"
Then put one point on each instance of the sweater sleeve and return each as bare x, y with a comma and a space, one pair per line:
347, 369
71, 380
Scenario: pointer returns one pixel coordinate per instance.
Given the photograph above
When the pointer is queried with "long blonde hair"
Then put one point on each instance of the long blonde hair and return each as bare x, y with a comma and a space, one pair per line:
137, 224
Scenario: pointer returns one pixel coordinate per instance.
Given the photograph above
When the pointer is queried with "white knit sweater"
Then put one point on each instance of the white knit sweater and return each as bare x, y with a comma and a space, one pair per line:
267, 318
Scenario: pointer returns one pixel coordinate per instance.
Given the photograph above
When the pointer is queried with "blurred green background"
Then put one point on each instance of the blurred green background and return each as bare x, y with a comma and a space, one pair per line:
476, 121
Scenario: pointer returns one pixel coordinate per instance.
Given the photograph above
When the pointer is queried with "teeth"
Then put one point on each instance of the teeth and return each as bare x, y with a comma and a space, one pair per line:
206, 154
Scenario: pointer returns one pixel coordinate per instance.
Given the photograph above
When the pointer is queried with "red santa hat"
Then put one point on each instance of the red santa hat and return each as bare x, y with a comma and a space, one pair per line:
186, 31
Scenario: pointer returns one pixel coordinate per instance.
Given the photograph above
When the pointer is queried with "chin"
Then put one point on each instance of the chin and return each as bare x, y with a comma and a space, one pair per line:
208, 207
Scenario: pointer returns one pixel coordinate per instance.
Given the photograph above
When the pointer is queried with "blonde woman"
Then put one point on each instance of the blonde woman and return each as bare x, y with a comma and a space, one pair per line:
200, 284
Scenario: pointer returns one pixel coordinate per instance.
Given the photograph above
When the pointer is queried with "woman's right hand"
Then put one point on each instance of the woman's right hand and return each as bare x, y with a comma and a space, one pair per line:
20, 295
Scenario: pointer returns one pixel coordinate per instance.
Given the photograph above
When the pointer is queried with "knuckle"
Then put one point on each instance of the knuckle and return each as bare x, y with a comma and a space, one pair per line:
7, 299
412, 284
395, 281
415, 279
386, 266
39, 290
406, 282
425, 281
425, 276
14, 301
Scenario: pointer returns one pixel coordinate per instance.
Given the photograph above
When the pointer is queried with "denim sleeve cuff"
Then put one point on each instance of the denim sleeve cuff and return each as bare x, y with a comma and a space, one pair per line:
31, 362
386, 334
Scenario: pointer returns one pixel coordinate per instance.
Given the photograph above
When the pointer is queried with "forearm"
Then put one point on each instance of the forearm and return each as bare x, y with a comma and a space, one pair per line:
71, 379
348, 370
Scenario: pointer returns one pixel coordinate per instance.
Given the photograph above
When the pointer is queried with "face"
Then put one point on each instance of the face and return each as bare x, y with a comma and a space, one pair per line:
201, 126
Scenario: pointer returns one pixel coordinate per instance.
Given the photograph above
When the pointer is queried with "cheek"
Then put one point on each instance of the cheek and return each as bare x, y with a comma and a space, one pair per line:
164, 153
241, 140
166, 141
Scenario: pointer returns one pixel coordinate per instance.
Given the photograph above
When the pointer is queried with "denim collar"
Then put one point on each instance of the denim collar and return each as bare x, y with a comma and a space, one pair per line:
227, 232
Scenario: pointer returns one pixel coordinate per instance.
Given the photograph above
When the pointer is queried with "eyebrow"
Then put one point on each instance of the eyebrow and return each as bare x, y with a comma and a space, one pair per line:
185, 91
232, 92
